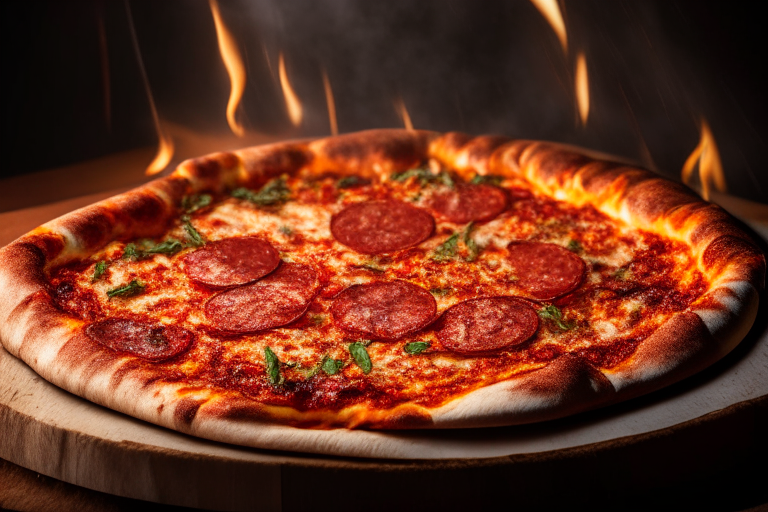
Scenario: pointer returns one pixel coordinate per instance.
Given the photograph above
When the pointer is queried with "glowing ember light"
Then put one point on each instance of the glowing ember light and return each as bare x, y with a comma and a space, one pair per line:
331, 104
403, 113
235, 68
582, 87
710, 166
551, 11
164, 154
292, 103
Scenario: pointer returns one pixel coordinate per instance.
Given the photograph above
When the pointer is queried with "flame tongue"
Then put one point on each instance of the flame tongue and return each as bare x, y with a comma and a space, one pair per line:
403, 113
164, 153
331, 104
292, 103
710, 166
235, 68
551, 11
582, 87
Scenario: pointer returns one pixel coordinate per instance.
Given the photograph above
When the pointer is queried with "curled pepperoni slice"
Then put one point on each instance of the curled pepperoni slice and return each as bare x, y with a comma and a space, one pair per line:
154, 342
232, 261
487, 324
384, 310
469, 202
376, 227
545, 270
276, 300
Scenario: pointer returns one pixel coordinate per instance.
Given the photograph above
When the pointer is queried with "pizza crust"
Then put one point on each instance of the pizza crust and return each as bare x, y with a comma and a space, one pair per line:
34, 330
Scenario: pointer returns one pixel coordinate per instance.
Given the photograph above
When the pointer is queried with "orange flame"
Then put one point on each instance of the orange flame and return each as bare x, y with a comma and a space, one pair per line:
403, 113
710, 166
551, 11
331, 104
230, 55
164, 153
582, 87
292, 103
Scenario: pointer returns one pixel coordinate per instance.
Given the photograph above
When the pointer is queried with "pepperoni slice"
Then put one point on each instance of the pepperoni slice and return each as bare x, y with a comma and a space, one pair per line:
469, 202
154, 342
232, 261
545, 270
376, 227
384, 310
276, 300
487, 324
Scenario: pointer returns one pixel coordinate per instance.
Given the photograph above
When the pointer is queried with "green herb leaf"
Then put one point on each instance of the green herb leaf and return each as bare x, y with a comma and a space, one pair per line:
373, 266
352, 182
135, 287
469, 242
487, 179
332, 366
131, 252
622, 274
424, 176
195, 202
554, 314
316, 319
170, 246
273, 367
99, 270
361, 357
274, 192
286, 230
194, 236
416, 347
441, 292
446, 250
574, 246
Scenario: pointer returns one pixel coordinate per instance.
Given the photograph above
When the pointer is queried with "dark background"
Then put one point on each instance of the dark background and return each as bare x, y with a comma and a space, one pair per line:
73, 88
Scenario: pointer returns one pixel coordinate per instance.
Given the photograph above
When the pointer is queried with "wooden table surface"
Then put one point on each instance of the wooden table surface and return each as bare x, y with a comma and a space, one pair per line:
692, 444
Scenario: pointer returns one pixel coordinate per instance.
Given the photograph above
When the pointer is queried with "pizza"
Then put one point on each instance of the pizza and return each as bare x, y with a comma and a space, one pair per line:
386, 279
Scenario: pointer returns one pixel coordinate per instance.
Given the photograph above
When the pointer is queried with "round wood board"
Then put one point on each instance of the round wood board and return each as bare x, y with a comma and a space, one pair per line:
63, 436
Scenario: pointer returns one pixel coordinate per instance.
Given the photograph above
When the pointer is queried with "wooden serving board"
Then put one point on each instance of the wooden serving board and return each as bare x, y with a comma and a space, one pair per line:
55, 433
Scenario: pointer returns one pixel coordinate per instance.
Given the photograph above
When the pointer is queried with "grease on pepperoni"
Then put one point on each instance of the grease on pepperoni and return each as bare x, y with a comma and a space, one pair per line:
232, 261
384, 310
377, 227
468, 203
151, 341
276, 300
487, 324
544, 270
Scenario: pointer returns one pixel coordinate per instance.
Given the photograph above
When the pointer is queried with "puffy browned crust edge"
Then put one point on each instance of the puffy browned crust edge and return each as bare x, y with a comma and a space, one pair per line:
33, 329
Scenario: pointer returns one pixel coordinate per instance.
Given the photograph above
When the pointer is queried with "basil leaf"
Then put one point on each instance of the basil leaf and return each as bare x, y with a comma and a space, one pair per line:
361, 357
332, 366
132, 252
416, 347
352, 182
170, 246
424, 176
133, 288
286, 230
446, 250
146, 248
195, 238
273, 367
471, 245
274, 192
441, 292
194, 202
554, 314
99, 270
316, 319
487, 179
575, 246
373, 266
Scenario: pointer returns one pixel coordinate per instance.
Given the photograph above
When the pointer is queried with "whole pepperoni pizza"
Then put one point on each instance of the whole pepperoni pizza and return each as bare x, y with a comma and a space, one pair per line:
386, 279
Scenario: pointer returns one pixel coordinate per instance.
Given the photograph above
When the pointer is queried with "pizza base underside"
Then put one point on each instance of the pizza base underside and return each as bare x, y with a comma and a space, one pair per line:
36, 330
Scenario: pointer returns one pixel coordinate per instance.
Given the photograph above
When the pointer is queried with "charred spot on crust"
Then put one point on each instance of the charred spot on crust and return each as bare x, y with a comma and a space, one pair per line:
211, 167
185, 411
